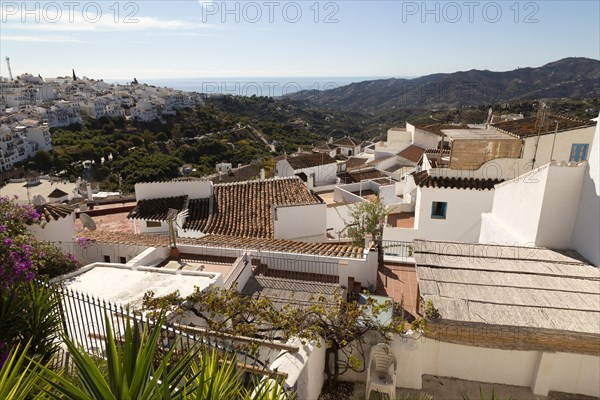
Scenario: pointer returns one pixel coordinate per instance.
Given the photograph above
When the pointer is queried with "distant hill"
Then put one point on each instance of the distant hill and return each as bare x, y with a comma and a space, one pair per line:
574, 77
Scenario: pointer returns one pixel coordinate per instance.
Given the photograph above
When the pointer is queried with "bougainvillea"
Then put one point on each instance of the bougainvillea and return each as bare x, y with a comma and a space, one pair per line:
22, 258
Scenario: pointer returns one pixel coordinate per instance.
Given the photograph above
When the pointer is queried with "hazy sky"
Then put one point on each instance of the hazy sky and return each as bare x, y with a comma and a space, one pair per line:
145, 39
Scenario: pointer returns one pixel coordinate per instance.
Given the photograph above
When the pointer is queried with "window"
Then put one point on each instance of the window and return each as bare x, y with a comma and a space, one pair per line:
153, 224
106, 259
578, 152
438, 209
123, 260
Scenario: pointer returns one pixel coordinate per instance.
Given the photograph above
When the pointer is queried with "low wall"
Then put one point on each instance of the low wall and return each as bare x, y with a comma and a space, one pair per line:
305, 369
541, 371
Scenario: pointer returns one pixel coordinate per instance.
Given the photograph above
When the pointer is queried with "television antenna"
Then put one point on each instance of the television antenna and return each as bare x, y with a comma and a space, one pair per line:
87, 222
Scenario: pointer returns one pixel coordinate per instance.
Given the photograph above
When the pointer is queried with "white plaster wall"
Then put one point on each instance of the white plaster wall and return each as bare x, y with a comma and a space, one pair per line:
493, 231
562, 145
154, 190
305, 369
576, 373
306, 222
163, 228
418, 356
425, 139
463, 213
97, 251
283, 169
398, 139
337, 218
387, 194
586, 232
150, 257
61, 230
323, 174
559, 209
509, 367
518, 204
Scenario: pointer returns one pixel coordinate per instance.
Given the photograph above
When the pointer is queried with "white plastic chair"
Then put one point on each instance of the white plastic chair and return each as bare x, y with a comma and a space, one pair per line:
381, 372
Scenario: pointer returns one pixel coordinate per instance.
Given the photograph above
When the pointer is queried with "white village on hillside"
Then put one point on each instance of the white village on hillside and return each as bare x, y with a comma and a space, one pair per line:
496, 225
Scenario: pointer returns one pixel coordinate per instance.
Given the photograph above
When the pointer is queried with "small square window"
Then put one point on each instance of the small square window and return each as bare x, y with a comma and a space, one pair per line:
153, 224
438, 209
123, 260
106, 259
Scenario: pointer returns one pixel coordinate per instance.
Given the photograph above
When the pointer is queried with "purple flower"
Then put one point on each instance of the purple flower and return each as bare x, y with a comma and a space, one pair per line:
2, 228
7, 241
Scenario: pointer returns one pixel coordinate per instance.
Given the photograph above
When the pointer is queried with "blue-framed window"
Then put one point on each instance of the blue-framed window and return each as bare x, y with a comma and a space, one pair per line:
579, 152
438, 209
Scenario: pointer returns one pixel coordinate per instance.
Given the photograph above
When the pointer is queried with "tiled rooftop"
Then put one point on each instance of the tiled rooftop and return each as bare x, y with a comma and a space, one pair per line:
527, 127
198, 214
49, 212
354, 162
307, 160
347, 142
345, 250
423, 179
412, 153
245, 209
289, 246
358, 175
57, 193
158, 209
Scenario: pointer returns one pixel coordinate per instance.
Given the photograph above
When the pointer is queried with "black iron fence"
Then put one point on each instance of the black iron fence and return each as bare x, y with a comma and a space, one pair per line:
83, 321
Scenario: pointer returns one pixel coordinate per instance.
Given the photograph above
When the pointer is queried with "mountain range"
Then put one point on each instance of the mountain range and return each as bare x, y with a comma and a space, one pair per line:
574, 77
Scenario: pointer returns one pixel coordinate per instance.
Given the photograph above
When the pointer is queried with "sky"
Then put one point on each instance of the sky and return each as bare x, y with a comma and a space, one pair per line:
272, 38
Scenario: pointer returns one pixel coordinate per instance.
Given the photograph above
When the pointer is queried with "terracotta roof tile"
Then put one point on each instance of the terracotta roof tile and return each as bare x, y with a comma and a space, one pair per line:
423, 179
307, 160
158, 209
57, 193
199, 213
49, 212
245, 208
527, 127
347, 142
287, 246
412, 153
354, 162
346, 250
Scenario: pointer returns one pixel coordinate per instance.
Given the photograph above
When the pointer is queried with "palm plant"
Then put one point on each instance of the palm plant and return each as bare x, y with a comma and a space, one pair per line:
20, 377
136, 369
131, 371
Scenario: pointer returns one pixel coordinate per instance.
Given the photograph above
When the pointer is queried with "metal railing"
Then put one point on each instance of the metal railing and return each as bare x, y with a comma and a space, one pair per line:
300, 269
83, 321
397, 251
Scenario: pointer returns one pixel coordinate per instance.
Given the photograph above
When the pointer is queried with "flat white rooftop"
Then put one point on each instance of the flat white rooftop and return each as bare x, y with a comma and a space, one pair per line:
477, 134
126, 286
44, 188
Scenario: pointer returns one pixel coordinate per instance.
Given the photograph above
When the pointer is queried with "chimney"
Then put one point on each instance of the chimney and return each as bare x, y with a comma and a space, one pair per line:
368, 241
88, 187
299, 149
262, 174
330, 140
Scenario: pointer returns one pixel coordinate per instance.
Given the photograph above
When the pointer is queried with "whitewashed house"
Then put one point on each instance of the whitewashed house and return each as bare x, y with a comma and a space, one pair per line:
316, 169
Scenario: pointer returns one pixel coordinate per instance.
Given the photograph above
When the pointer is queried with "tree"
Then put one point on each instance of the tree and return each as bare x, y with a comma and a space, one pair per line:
340, 325
368, 218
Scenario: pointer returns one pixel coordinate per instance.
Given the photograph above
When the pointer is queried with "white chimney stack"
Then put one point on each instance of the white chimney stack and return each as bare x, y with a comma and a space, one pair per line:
88, 187
262, 174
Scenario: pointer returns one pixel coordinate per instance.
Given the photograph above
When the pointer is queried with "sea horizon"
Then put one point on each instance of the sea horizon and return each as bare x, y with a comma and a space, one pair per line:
249, 86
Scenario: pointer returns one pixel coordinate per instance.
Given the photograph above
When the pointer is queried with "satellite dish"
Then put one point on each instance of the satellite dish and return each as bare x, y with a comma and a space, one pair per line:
38, 200
87, 222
